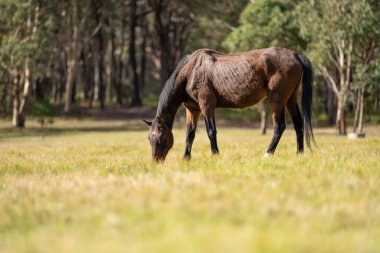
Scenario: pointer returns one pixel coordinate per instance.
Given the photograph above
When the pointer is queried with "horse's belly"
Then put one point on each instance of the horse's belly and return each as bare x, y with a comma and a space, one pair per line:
237, 84
240, 94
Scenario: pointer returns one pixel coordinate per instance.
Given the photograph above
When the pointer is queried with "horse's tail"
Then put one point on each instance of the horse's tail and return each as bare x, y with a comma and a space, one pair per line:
307, 97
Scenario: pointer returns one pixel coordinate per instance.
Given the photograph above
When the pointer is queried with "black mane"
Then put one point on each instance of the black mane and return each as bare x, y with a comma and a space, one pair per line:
169, 88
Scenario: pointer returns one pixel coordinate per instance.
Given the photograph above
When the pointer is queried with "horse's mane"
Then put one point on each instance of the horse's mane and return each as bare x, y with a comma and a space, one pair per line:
169, 87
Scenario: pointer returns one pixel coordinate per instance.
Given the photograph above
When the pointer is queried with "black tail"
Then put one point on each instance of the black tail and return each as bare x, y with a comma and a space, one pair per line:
307, 97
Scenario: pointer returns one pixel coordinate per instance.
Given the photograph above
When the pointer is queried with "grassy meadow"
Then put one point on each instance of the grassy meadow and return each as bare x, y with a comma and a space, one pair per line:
87, 186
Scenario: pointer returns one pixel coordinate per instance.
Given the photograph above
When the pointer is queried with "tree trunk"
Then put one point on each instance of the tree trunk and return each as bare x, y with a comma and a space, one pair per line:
16, 97
110, 60
144, 35
74, 92
100, 59
20, 118
91, 93
3, 96
340, 117
100, 69
81, 81
10, 97
119, 81
62, 77
376, 103
53, 95
119, 45
357, 109
361, 105
72, 62
71, 69
96, 76
263, 113
331, 107
87, 72
136, 101
163, 33
343, 64
116, 66
109, 70
20, 112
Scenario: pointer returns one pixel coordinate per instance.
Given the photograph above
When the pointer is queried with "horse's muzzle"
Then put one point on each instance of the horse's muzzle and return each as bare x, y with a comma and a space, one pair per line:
159, 157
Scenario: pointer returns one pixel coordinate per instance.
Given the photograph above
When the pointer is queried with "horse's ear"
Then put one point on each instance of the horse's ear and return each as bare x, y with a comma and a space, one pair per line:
149, 123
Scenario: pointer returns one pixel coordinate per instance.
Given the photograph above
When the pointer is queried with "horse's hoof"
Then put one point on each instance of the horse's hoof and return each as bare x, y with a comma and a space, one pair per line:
266, 155
214, 152
187, 157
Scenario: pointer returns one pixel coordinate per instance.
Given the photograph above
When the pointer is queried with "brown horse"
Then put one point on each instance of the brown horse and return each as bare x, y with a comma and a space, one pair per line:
208, 79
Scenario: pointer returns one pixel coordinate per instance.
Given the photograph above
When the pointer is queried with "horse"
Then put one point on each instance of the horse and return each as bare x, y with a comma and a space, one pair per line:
208, 79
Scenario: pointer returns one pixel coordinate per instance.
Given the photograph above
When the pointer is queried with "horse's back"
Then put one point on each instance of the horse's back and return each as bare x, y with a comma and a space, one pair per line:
241, 79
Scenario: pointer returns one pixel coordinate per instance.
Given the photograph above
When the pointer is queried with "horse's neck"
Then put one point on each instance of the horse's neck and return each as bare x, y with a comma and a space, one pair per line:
168, 107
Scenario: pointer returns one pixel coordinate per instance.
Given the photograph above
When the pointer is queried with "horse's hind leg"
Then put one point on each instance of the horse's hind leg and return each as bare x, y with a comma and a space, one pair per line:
192, 117
207, 104
297, 119
278, 116
211, 132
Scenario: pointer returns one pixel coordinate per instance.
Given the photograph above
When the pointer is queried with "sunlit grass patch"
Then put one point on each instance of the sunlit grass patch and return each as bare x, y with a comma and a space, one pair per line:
97, 191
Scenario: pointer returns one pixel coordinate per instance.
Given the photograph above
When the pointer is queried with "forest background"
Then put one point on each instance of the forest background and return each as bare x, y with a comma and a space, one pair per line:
61, 57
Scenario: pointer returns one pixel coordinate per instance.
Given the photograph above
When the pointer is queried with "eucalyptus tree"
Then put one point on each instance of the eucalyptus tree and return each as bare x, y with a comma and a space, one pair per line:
265, 23
19, 42
367, 60
336, 30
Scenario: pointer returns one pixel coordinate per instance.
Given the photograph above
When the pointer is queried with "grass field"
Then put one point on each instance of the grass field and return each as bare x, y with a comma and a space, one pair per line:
91, 187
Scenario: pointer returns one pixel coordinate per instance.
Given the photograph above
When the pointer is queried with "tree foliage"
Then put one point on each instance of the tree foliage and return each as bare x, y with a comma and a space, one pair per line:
343, 44
266, 23
98, 53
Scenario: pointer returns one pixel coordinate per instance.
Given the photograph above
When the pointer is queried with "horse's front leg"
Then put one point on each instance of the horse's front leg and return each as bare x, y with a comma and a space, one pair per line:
192, 117
207, 103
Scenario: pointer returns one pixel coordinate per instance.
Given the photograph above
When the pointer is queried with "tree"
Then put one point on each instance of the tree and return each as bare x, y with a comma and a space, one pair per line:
265, 23
98, 7
20, 112
172, 21
367, 63
73, 54
86, 52
18, 46
136, 101
333, 28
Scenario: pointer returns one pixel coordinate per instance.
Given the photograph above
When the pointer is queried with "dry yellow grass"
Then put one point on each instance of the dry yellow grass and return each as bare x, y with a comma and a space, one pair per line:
94, 189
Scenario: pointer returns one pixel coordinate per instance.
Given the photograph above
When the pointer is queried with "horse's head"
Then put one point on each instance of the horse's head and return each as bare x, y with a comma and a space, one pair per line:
160, 138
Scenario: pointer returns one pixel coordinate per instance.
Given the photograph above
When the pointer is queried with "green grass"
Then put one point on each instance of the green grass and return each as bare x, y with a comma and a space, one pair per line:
91, 187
